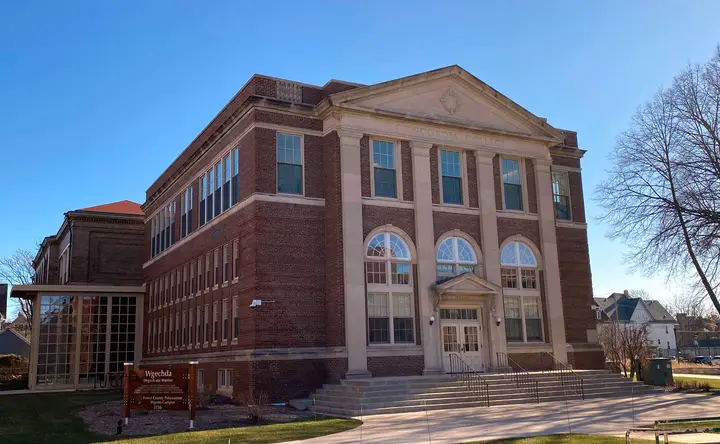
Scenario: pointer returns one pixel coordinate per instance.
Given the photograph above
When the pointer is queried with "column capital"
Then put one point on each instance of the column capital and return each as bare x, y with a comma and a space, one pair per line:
349, 134
484, 157
542, 164
421, 148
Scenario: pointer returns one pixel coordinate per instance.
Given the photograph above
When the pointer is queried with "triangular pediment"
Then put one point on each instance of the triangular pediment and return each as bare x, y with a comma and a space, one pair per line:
467, 283
449, 95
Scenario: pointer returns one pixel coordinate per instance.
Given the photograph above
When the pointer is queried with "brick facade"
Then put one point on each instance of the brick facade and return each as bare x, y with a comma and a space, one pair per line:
291, 248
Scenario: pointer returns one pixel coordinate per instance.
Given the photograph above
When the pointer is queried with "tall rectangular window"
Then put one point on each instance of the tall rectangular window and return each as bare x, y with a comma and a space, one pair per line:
289, 164
183, 333
162, 220
186, 212
561, 194
402, 318
523, 322
172, 286
236, 176
172, 331
167, 289
171, 229
207, 323
236, 258
513, 319
236, 319
178, 284
152, 237
191, 327
193, 287
226, 182
226, 262
218, 189
177, 329
512, 185
225, 325
209, 198
378, 318
384, 174
165, 332
451, 177
185, 280
215, 332
203, 195
216, 265
199, 275
208, 271
198, 325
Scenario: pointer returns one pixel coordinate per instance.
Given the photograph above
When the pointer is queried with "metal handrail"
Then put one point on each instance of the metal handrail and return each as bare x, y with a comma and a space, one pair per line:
475, 383
523, 380
566, 375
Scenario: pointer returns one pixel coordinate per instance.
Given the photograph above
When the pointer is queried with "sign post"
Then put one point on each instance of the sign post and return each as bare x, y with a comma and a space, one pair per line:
192, 391
127, 370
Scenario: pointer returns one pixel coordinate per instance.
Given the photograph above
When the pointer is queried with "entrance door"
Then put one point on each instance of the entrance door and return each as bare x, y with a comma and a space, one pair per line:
464, 337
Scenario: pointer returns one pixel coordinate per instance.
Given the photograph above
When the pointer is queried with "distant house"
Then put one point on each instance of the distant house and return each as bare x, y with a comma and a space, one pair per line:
621, 308
13, 342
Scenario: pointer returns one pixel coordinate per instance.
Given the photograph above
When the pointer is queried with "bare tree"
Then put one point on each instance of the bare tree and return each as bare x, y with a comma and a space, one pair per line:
626, 344
690, 304
609, 338
17, 269
662, 196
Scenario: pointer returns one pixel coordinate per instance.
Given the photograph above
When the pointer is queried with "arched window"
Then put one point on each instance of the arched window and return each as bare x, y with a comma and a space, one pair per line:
523, 320
455, 256
518, 261
389, 290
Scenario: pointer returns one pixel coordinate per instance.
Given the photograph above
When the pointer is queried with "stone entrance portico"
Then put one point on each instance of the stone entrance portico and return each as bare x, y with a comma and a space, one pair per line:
447, 109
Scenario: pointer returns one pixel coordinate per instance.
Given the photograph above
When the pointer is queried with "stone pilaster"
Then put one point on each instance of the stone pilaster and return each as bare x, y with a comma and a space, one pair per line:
548, 238
491, 251
354, 285
426, 269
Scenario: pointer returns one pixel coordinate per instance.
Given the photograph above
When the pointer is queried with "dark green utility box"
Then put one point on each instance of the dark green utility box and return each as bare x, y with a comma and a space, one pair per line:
658, 371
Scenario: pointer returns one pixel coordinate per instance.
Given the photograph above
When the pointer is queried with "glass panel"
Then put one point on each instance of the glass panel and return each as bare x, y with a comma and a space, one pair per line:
375, 272
402, 305
378, 305
383, 154
531, 306
458, 313
385, 185
509, 255
471, 339
445, 251
398, 249
445, 270
508, 277
452, 190
513, 197
289, 178
450, 339
465, 251
403, 330
288, 149
450, 163
527, 258
513, 319
376, 247
378, 318
511, 171
562, 207
529, 279
400, 274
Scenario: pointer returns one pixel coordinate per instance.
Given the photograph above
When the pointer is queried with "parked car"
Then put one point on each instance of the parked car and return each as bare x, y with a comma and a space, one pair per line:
703, 359
715, 360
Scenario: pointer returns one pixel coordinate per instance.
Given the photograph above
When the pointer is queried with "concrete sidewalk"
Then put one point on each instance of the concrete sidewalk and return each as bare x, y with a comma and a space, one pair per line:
604, 416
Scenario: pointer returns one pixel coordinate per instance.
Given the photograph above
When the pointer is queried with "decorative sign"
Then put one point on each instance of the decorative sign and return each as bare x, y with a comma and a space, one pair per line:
450, 100
172, 388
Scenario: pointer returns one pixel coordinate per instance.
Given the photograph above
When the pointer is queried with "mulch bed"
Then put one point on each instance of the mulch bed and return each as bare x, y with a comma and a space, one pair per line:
103, 418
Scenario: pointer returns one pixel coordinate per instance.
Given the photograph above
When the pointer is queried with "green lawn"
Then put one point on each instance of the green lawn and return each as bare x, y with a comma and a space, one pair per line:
567, 439
713, 382
50, 419
690, 425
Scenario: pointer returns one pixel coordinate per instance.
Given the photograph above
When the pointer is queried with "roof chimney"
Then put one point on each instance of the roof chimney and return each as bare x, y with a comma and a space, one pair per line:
626, 293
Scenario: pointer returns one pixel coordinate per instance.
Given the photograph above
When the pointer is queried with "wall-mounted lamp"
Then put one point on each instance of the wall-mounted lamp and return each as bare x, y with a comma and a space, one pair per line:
432, 319
498, 320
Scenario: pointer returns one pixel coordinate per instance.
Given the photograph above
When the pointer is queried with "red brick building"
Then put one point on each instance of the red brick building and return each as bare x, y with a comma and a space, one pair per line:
315, 233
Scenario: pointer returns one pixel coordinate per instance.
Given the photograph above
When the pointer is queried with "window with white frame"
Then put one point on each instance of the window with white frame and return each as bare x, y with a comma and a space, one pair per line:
165, 332
208, 271
172, 331
236, 258
227, 175
162, 227
177, 329
172, 286
226, 262
186, 221
198, 326
523, 320
178, 283
217, 197
225, 379
289, 164
216, 265
193, 287
512, 184
167, 289
561, 194
183, 334
199, 269
455, 256
203, 200
389, 290
235, 176
225, 325
185, 281
384, 172
150, 336
452, 187
215, 326
206, 332
191, 327
209, 198
236, 318
200, 380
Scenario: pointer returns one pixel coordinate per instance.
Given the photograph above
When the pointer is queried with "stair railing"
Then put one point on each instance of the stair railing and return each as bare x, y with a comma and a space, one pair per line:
476, 384
564, 373
523, 380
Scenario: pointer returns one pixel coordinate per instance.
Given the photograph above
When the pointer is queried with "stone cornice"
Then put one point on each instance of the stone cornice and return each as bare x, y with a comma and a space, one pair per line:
567, 151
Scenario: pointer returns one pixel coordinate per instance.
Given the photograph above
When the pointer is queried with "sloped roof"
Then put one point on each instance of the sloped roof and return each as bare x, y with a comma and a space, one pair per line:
657, 311
120, 207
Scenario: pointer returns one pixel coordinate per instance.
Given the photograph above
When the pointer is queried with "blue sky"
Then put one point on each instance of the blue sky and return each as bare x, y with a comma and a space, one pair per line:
97, 98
